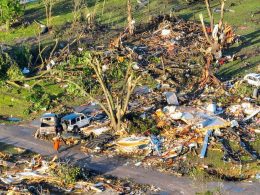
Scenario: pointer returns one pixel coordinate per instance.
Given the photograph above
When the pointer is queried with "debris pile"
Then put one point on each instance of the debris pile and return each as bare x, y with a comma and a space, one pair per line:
172, 45
38, 175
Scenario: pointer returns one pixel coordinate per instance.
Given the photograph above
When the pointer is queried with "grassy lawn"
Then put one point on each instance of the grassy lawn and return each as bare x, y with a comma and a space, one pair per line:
13, 102
9, 149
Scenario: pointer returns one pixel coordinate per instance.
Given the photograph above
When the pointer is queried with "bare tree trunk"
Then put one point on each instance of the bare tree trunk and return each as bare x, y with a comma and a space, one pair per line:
114, 108
204, 29
48, 4
7, 25
130, 18
210, 15
47, 14
50, 13
222, 14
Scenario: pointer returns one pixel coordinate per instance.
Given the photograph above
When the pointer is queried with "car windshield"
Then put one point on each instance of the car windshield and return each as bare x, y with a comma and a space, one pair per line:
46, 125
48, 120
73, 121
66, 122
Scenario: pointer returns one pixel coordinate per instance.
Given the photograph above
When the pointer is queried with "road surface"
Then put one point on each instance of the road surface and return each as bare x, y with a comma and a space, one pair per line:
21, 136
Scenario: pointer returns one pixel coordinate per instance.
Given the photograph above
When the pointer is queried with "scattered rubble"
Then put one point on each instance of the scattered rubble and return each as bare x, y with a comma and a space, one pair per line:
37, 175
188, 119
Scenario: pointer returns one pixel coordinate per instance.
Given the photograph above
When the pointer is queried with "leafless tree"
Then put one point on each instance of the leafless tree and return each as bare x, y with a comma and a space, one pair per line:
130, 20
77, 6
48, 4
216, 41
116, 104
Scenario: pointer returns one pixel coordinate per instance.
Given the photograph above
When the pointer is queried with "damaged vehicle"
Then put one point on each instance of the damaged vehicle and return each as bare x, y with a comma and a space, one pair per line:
49, 123
74, 121
253, 79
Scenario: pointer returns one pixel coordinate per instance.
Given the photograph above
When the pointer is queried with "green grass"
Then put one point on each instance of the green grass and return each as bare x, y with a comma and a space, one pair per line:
13, 154
214, 160
8, 149
13, 103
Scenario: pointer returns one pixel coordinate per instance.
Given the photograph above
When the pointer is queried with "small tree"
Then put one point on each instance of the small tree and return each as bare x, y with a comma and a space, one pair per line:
116, 102
117, 84
78, 5
48, 4
130, 20
218, 37
9, 10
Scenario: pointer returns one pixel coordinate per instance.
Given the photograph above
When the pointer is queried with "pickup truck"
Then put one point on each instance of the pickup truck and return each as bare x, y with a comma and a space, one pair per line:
49, 123
74, 121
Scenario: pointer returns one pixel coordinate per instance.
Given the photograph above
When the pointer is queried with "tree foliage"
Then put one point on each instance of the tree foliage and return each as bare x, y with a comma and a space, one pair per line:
40, 99
9, 69
9, 11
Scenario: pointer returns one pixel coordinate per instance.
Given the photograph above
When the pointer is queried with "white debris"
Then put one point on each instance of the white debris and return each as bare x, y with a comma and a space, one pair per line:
172, 98
212, 108
135, 66
104, 68
166, 32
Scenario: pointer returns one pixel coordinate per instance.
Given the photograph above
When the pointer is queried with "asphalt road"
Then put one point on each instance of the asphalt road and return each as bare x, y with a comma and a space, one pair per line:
21, 136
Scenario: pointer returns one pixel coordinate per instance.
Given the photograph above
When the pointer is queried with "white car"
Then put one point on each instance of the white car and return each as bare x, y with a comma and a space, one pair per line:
253, 79
74, 121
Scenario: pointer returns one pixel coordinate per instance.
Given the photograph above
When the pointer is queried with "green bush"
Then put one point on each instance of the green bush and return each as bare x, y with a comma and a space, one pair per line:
68, 174
244, 90
139, 125
9, 69
23, 56
14, 72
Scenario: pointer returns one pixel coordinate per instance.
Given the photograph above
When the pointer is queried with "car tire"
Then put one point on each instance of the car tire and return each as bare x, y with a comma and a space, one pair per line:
76, 130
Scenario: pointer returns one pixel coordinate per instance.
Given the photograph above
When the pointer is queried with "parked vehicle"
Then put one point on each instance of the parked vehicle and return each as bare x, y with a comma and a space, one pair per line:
49, 123
74, 121
100, 117
253, 79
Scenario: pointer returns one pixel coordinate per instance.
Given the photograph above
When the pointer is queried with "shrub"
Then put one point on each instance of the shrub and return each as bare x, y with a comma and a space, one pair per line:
68, 174
139, 125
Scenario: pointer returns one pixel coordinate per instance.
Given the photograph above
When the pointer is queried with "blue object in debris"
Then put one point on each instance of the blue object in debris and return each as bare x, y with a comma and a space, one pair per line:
12, 119
205, 144
156, 143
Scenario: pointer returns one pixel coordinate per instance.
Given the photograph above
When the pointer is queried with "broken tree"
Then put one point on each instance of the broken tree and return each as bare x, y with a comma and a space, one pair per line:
221, 35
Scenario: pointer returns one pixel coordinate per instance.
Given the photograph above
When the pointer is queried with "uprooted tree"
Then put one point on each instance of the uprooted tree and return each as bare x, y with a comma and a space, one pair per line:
217, 36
